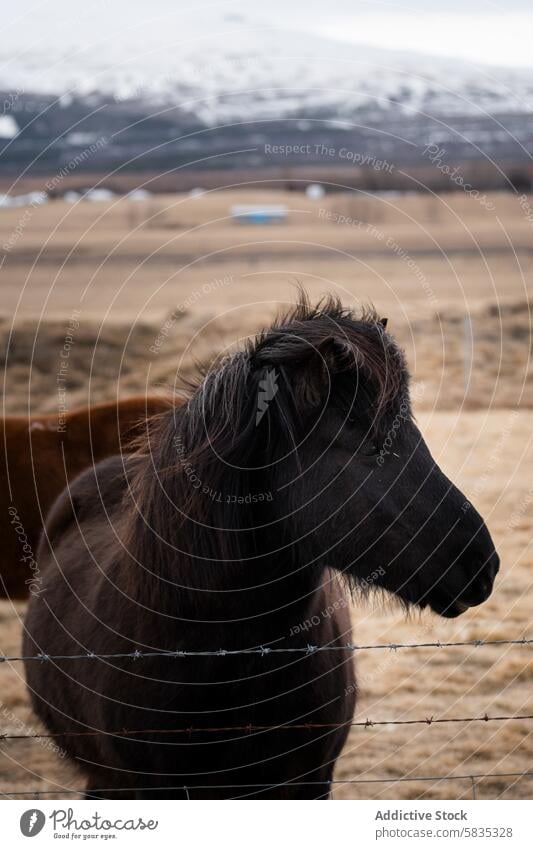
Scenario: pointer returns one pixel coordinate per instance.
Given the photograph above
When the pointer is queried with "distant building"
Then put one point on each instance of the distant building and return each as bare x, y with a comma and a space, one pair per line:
256, 214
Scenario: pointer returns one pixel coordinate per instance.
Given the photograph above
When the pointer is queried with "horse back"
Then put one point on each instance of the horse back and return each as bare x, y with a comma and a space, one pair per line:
40, 455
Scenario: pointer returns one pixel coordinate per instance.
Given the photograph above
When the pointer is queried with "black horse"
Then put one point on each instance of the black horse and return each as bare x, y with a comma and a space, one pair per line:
294, 474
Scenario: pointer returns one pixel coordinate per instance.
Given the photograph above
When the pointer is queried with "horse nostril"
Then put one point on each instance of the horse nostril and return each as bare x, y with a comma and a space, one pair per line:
481, 580
487, 573
493, 566
487, 569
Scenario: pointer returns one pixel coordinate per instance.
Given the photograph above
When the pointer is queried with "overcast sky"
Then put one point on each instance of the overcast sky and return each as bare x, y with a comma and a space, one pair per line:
496, 33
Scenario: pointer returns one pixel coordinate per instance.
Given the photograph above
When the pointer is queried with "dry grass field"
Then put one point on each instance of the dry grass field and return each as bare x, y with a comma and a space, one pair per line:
142, 291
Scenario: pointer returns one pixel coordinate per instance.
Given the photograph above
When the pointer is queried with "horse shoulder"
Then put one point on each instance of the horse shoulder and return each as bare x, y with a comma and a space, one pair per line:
82, 497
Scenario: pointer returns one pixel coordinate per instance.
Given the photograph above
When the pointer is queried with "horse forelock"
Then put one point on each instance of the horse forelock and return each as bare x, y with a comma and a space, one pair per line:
330, 345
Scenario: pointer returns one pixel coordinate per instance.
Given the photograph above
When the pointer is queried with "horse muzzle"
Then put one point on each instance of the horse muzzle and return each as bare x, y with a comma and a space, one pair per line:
479, 585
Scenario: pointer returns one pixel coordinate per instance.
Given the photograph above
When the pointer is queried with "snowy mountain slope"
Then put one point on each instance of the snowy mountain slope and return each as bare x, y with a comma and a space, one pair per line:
227, 68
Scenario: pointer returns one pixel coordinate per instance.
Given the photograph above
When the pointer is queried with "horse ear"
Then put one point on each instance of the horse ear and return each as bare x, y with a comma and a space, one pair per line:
328, 357
317, 373
306, 369
326, 352
383, 322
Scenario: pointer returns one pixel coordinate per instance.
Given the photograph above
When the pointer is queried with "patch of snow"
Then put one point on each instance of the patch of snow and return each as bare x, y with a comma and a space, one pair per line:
81, 139
315, 191
30, 199
71, 196
139, 194
99, 195
8, 127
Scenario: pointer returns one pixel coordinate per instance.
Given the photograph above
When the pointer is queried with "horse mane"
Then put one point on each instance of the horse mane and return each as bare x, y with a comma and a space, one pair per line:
206, 461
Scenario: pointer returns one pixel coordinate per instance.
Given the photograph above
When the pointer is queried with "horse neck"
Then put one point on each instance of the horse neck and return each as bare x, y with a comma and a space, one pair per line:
256, 600
204, 554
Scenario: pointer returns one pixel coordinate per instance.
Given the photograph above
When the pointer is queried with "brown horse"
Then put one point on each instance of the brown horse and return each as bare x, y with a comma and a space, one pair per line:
38, 457
241, 525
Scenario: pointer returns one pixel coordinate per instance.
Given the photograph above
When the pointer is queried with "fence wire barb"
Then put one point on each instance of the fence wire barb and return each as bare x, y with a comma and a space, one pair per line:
336, 781
137, 654
262, 651
250, 727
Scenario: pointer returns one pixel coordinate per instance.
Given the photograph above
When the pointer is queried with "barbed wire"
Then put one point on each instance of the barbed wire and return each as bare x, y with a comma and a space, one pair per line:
262, 651
472, 777
251, 727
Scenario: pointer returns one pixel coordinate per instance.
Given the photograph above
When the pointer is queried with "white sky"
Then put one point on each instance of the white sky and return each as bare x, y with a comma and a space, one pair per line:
481, 31
486, 38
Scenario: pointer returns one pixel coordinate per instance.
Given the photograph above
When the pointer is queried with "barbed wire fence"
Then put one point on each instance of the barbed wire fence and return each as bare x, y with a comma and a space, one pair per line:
138, 654
472, 778
251, 728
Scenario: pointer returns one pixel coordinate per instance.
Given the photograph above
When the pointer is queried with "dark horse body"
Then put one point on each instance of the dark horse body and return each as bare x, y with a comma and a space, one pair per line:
241, 524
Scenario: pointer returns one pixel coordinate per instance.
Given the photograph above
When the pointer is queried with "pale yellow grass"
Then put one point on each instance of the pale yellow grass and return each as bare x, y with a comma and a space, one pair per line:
452, 257
123, 267
138, 259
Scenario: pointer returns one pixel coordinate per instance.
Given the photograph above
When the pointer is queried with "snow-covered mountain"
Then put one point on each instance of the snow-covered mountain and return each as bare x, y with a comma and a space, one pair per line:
227, 68
127, 84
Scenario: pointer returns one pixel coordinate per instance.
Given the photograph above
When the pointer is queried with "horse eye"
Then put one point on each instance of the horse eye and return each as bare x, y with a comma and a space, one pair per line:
368, 449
